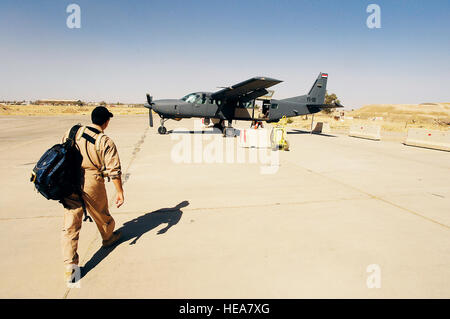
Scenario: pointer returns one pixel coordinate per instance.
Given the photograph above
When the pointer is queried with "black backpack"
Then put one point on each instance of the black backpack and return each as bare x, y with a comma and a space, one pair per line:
58, 172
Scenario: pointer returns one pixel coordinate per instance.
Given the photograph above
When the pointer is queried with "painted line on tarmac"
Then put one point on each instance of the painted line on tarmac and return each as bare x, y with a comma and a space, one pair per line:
393, 156
253, 205
136, 149
32, 217
372, 196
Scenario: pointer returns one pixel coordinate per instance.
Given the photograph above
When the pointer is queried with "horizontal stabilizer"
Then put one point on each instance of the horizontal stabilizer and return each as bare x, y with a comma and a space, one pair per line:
329, 106
326, 106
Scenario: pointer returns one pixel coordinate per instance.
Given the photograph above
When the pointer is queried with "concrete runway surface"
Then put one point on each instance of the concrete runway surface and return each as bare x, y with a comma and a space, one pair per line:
339, 215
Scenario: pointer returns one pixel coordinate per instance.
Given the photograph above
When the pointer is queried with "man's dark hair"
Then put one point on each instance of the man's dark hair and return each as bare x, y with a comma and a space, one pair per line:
100, 115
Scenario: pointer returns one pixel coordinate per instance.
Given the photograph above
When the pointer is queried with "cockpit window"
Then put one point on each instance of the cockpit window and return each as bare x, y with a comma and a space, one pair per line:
201, 99
190, 98
198, 98
248, 105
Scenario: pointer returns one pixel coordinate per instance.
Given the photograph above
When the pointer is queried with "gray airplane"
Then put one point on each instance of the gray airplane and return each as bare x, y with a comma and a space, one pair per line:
237, 102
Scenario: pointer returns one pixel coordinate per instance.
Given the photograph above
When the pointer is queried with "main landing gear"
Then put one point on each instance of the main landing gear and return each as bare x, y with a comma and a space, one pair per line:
226, 131
219, 126
229, 131
162, 129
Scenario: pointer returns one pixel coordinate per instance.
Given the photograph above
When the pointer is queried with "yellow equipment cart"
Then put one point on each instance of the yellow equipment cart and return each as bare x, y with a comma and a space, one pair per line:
278, 136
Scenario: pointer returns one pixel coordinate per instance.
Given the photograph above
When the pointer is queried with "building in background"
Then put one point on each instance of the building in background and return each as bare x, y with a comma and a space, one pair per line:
59, 102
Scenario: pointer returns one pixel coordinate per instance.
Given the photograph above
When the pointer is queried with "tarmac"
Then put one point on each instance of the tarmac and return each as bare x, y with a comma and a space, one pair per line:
335, 217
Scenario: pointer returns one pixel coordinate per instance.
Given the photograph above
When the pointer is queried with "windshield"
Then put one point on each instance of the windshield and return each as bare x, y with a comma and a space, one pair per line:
190, 98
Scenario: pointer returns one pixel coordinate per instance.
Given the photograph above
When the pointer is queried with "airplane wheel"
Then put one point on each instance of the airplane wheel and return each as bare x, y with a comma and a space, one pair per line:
229, 132
162, 130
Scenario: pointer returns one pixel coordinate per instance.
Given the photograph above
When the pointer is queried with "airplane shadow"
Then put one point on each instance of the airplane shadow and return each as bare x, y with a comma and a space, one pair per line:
295, 131
135, 229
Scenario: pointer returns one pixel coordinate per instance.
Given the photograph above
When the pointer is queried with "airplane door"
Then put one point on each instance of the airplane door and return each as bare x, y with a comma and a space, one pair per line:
198, 107
203, 107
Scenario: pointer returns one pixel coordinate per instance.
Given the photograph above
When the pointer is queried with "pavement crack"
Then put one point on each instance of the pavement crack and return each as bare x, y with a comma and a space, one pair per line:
137, 148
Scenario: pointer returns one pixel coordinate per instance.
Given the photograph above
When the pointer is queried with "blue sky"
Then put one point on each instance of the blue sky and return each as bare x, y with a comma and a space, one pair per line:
170, 48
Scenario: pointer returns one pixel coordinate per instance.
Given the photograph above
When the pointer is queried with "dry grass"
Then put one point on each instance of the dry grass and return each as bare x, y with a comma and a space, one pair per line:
33, 110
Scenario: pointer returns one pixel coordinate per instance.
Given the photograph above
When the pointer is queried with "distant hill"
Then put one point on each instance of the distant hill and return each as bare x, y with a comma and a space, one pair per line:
405, 112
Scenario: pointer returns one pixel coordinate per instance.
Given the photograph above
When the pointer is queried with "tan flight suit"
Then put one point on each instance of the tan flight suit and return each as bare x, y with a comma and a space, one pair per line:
94, 192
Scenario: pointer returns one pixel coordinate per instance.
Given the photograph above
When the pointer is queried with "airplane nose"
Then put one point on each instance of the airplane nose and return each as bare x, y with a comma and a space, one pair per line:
164, 105
161, 105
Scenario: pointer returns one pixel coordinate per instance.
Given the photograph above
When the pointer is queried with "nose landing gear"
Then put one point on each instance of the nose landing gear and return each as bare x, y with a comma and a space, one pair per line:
162, 130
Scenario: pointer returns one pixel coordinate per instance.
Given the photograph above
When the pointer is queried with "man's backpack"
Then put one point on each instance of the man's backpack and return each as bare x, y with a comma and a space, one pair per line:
58, 172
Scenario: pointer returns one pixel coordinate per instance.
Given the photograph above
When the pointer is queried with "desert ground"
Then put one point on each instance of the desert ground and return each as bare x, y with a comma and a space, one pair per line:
335, 217
391, 117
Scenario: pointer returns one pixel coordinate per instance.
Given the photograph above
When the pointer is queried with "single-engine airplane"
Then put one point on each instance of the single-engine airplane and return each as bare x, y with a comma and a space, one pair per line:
237, 102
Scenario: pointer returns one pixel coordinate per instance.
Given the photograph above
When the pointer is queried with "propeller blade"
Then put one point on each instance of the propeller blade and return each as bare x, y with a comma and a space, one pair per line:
149, 99
150, 116
150, 110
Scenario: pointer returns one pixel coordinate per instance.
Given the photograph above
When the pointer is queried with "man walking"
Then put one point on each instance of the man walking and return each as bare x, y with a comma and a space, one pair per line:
100, 161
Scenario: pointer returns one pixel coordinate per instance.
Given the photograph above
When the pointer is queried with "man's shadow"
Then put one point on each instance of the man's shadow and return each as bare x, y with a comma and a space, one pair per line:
135, 228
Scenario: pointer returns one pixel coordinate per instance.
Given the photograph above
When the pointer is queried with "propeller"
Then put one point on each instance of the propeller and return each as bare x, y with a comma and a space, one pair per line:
150, 112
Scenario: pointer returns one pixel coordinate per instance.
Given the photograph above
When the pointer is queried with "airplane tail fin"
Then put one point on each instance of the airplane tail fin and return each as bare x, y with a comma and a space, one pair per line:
316, 95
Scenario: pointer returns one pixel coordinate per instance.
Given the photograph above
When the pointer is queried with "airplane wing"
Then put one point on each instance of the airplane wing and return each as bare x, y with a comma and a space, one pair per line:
246, 90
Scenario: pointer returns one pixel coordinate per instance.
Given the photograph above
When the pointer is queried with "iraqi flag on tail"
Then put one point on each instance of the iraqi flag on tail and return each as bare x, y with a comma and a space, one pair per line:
325, 75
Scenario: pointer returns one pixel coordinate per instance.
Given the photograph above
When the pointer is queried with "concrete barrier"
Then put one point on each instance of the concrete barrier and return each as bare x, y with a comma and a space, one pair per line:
259, 138
322, 127
439, 140
371, 132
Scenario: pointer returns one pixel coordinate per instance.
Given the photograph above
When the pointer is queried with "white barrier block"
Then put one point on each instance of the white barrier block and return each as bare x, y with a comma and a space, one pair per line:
439, 140
259, 138
371, 132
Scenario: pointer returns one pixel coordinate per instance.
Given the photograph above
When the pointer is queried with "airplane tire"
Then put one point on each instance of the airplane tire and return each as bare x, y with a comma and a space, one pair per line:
229, 132
162, 130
